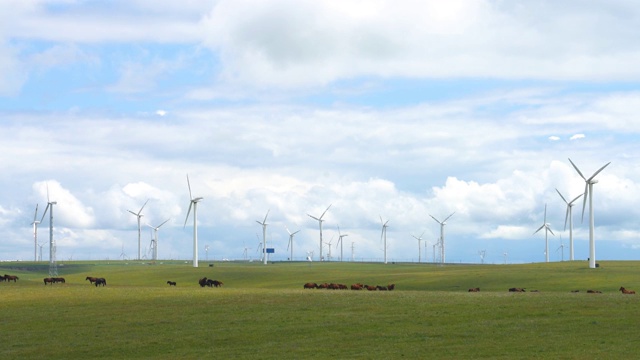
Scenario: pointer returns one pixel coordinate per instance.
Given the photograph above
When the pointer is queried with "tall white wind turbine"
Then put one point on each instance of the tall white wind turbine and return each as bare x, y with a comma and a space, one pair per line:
290, 244
441, 240
264, 237
588, 192
547, 229
340, 236
383, 236
319, 219
419, 246
35, 224
193, 204
569, 217
53, 267
155, 239
139, 215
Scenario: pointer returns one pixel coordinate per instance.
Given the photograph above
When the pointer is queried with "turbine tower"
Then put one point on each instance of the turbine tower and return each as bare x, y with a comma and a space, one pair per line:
419, 246
139, 216
340, 236
441, 240
53, 267
193, 203
155, 239
35, 234
383, 236
319, 219
290, 244
588, 192
547, 229
264, 237
569, 216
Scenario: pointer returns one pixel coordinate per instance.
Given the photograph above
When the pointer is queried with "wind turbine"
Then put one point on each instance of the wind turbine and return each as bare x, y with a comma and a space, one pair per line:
35, 234
264, 237
155, 239
441, 240
506, 255
419, 246
53, 268
193, 203
139, 215
206, 252
547, 229
561, 248
319, 219
383, 235
290, 244
588, 191
569, 216
340, 236
329, 246
482, 254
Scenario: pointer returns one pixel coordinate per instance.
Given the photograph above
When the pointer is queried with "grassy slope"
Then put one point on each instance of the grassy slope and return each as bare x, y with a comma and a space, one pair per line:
263, 312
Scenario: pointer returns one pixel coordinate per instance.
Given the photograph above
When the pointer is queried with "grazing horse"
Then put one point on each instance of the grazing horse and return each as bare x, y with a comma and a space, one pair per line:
59, 279
48, 280
310, 285
594, 292
516, 290
217, 283
91, 279
391, 286
381, 288
356, 287
10, 277
203, 282
370, 287
100, 281
625, 291
474, 290
171, 283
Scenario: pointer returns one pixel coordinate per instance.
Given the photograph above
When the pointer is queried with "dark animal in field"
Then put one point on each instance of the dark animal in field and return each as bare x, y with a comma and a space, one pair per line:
370, 287
575, 291
381, 288
594, 292
59, 280
626, 291
474, 290
323, 286
391, 286
217, 283
356, 287
100, 281
91, 279
10, 277
310, 285
48, 281
171, 283
203, 282
516, 289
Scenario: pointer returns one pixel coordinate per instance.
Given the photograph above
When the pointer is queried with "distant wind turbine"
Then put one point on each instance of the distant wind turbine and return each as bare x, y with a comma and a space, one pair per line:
319, 219
139, 215
290, 244
569, 217
193, 203
340, 236
53, 267
383, 236
561, 248
419, 246
441, 240
35, 234
547, 229
155, 239
588, 192
264, 237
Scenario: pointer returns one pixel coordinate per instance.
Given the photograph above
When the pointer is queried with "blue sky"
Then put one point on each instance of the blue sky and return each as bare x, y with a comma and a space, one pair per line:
380, 108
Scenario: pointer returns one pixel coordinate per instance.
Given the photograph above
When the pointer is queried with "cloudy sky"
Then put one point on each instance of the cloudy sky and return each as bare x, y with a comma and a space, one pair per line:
381, 109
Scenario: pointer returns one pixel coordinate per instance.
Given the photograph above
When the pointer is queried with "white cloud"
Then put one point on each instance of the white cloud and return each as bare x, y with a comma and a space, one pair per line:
577, 137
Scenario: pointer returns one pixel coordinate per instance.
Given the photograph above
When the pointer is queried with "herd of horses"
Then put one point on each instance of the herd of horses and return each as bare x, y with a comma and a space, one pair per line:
209, 282
96, 281
357, 286
8, 278
53, 280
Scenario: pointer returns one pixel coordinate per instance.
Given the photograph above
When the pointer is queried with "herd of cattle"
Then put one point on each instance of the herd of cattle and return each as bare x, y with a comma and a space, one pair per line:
357, 286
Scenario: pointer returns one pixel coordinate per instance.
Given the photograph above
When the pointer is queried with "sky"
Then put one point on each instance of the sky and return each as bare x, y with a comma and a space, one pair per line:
383, 110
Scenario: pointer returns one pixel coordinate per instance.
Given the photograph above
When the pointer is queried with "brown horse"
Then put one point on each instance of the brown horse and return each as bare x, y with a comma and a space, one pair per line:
217, 283
391, 286
48, 280
91, 279
625, 291
59, 280
10, 277
516, 290
594, 292
310, 285
356, 287
474, 290
370, 287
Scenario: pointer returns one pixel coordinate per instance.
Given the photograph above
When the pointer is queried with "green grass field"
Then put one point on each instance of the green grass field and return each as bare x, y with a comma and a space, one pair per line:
262, 312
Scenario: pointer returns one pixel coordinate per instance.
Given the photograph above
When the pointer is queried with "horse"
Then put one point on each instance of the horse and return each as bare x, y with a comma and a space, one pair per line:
356, 287
391, 286
100, 281
474, 290
625, 291
10, 277
370, 287
516, 290
217, 283
48, 280
59, 279
381, 288
594, 292
171, 283
91, 279
203, 282
310, 285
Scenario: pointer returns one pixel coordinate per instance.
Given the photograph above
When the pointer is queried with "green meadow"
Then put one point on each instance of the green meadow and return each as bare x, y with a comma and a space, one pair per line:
263, 312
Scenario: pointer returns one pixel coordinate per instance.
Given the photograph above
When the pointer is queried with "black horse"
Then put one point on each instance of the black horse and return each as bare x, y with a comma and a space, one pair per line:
100, 281
171, 283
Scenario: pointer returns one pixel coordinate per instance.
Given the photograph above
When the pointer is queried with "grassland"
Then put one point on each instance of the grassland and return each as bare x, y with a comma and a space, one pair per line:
262, 312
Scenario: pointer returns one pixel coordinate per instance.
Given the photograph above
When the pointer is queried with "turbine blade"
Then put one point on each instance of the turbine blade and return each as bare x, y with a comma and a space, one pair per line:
313, 217
163, 223
597, 172
295, 232
578, 170
145, 204
565, 200
132, 212
438, 221
545, 213
48, 201
188, 212
421, 235
551, 231
45, 211
584, 203
325, 211
540, 228
189, 185
265, 217
577, 197
35, 216
448, 217
566, 217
